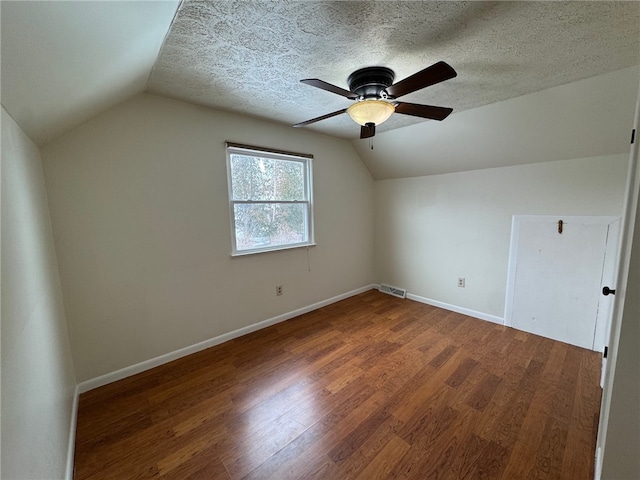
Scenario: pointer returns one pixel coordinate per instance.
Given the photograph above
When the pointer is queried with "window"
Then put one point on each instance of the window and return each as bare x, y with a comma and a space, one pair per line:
270, 199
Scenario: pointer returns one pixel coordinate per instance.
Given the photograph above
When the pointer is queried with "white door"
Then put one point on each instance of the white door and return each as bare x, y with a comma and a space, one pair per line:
556, 277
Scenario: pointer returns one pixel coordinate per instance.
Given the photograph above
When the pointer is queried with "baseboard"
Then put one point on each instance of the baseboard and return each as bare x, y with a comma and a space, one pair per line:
72, 435
183, 352
454, 308
597, 470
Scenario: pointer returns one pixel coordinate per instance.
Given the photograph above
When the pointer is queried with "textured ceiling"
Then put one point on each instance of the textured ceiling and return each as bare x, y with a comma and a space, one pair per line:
249, 56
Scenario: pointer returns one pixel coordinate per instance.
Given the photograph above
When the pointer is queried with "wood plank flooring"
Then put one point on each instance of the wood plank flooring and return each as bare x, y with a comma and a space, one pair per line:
372, 387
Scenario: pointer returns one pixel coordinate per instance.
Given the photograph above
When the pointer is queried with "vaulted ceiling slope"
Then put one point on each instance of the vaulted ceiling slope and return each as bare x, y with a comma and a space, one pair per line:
587, 118
65, 62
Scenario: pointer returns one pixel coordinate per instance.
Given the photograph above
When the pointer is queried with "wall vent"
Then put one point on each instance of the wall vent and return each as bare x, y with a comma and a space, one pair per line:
395, 291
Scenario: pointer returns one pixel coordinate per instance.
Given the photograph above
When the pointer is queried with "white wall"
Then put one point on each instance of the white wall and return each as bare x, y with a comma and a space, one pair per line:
139, 207
38, 380
432, 230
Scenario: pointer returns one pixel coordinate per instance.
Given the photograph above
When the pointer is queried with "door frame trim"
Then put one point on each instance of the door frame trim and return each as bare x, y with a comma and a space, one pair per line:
626, 248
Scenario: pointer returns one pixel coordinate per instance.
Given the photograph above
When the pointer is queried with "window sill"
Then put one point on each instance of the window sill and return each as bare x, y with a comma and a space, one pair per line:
244, 253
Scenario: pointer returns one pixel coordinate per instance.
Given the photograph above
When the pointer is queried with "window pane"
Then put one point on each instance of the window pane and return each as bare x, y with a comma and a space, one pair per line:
269, 225
257, 178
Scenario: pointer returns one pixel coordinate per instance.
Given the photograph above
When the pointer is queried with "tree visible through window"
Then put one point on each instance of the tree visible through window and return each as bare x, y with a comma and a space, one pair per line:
270, 199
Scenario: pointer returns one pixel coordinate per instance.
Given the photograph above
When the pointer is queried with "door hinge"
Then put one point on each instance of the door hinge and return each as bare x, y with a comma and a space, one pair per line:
606, 352
633, 136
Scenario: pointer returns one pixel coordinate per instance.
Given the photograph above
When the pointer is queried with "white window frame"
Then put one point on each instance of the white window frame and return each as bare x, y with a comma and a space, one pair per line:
259, 152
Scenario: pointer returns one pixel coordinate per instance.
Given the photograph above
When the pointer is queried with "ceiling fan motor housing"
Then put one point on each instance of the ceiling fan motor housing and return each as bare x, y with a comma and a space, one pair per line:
369, 82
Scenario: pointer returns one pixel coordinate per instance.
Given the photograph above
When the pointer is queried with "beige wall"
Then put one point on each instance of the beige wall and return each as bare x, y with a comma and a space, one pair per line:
140, 213
38, 380
432, 230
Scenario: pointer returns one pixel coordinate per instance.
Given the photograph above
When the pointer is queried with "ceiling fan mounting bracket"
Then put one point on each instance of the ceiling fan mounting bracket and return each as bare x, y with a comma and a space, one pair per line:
371, 82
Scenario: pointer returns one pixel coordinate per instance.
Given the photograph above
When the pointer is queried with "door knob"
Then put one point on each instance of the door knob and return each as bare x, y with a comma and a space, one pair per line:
607, 291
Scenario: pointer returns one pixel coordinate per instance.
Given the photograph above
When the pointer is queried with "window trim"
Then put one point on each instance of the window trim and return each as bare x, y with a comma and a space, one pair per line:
306, 160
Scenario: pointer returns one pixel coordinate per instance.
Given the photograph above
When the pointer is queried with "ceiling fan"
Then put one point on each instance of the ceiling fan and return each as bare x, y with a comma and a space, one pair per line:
375, 95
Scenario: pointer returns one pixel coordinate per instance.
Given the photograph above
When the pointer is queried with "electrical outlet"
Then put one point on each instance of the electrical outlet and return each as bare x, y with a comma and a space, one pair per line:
278, 290
461, 282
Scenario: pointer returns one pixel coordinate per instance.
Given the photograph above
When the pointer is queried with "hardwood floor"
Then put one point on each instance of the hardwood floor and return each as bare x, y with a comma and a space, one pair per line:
373, 387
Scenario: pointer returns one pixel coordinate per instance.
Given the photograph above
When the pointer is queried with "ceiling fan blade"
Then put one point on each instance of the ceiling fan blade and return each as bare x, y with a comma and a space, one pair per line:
436, 73
424, 111
368, 130
314, 82
323, 117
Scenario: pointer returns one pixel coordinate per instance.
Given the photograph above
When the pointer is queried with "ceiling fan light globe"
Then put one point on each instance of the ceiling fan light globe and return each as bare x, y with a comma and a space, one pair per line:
370, 111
